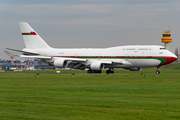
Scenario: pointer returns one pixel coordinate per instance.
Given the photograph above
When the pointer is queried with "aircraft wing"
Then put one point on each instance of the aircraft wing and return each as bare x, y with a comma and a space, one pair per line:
122, 62
76, 65
38, 57
79, 65
48, 57
73, 59
76, 60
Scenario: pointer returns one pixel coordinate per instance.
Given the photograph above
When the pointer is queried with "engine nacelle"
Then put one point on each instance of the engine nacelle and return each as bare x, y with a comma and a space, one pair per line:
60, 63
135, 69
97, 66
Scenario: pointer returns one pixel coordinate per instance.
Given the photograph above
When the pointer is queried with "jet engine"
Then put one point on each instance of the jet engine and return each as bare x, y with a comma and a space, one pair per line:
60, 63
135, 69
97, 66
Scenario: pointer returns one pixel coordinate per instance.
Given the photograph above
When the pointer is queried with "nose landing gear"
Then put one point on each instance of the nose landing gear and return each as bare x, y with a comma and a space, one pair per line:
157, 71
94, 71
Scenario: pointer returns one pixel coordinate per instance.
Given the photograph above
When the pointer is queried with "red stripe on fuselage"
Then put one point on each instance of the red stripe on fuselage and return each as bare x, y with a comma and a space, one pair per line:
168, 60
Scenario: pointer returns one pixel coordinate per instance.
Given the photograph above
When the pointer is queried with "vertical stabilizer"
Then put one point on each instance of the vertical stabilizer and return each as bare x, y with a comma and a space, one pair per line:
31, 39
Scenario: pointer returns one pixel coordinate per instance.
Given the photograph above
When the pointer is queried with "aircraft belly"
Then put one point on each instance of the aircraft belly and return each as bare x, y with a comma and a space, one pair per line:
136, 63
116, 65
145, 62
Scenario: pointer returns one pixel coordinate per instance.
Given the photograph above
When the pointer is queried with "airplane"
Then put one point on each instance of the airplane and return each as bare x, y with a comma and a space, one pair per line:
131, 57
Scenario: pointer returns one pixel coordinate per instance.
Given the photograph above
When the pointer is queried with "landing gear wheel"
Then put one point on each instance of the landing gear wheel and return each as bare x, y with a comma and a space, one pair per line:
157, 72
94, 71
89, 71
107, 71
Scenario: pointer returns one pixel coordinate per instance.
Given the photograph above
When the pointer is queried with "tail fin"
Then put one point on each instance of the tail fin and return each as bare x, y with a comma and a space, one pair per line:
31, 39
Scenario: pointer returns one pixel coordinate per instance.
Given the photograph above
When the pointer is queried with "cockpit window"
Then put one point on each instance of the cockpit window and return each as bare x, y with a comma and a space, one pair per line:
162, 48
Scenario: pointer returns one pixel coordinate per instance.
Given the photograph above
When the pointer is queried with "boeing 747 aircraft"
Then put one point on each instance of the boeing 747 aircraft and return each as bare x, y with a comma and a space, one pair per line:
133, 57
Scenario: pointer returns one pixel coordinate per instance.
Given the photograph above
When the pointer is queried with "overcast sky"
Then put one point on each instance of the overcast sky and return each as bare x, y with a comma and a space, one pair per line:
90, 23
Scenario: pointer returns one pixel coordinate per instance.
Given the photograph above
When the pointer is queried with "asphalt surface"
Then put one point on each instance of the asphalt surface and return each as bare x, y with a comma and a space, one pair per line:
94, 73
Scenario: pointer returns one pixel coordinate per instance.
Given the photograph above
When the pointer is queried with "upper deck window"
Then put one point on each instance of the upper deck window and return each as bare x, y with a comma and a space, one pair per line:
130, 49
143, 48
162, 48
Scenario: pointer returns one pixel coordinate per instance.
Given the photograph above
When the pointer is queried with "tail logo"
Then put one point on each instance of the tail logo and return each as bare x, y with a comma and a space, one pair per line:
31, 33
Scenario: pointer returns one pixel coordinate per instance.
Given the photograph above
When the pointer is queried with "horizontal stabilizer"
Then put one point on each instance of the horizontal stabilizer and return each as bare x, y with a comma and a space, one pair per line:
8, 53
24, 52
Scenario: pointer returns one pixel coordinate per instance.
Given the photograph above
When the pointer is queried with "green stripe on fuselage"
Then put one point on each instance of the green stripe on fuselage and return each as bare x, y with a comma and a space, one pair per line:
160, 59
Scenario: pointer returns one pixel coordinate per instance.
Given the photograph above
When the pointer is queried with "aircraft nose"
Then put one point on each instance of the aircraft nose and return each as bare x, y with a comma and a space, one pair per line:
174, 57
170, 59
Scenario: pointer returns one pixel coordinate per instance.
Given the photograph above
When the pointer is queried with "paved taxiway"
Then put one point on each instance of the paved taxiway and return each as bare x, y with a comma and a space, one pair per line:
99, 73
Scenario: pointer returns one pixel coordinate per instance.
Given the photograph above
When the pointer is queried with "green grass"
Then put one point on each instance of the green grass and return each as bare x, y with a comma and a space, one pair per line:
175, 67
88, 97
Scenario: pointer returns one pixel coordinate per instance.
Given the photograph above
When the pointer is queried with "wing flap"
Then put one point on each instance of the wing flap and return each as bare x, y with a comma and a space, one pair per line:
124, 62
72, 59
38, 57
103, 61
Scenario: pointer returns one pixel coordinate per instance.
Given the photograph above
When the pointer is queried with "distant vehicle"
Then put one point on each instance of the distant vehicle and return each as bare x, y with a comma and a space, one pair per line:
30, 68
13, 68
133, 57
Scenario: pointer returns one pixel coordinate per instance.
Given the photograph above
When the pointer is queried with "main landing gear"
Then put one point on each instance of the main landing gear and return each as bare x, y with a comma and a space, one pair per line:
94, 71
110, 71
157, 71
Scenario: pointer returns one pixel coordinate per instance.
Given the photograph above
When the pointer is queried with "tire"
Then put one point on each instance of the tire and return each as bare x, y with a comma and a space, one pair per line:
107, 71
89, 71
157, 72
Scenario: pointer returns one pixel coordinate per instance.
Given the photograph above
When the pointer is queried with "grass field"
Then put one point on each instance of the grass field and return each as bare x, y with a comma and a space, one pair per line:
86, 96
172, 69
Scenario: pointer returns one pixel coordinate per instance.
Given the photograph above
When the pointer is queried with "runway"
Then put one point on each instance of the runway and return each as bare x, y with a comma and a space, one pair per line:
96, 73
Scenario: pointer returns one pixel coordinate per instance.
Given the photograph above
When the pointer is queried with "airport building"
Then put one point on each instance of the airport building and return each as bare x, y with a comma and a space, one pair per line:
24, 65
177, 54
